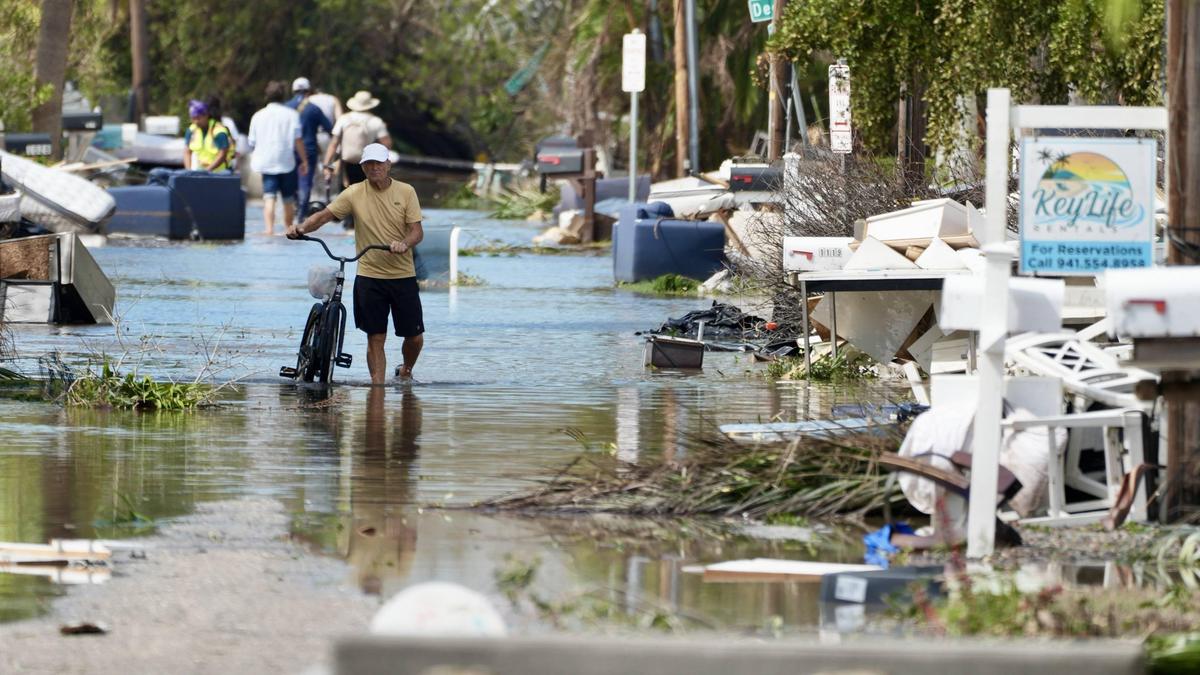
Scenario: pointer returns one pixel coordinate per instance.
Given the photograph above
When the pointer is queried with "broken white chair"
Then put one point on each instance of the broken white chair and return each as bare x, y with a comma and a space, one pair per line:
1123, 430
1043, 397
1092, 375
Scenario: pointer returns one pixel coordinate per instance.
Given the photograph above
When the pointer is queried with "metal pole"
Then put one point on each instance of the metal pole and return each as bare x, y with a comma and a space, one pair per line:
833, 323
633, 129
806, 329
693, 89
801, 120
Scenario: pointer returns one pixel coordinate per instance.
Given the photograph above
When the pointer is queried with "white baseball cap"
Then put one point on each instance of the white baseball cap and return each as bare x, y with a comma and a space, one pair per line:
375, 152
301, 84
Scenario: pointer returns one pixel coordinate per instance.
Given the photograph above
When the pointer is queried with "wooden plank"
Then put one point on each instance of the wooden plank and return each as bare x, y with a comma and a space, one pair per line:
26, 258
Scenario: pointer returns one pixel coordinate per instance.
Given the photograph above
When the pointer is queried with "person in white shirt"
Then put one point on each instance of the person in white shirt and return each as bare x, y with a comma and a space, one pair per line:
275, 139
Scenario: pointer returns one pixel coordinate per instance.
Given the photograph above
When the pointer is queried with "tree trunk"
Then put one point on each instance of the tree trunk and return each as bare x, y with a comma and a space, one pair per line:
910, 136
139, 50
50, 67
681, 91
777, 86
1182, 495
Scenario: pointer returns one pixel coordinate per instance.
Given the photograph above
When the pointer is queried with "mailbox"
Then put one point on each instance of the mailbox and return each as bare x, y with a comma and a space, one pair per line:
30, 145
808, 254
82, 121
1155, 302
558, 155
755, 178
1033, 304
1159, 308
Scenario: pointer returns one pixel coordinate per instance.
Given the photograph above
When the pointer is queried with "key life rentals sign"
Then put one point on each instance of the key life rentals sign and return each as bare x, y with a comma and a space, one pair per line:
840, 139
762, 10
1087, 204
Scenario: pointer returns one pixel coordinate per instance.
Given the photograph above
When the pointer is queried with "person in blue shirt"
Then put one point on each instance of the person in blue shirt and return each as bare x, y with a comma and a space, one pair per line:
311, 121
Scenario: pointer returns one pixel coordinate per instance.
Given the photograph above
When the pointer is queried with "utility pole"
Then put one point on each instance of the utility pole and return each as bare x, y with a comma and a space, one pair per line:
681, 90
1182, 394
139, 51
777, 83
693, 89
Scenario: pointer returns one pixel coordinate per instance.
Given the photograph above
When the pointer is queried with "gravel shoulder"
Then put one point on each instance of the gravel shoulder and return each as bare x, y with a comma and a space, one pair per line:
222, 590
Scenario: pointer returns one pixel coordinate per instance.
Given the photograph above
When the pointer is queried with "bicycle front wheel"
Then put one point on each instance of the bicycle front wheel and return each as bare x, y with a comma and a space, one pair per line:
312, 352
331, 329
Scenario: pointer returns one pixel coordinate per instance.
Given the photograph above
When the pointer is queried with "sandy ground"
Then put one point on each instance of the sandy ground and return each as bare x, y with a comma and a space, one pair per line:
220, 591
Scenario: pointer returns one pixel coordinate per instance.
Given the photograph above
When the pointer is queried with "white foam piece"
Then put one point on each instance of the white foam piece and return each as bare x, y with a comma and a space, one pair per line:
873, 254
939, 256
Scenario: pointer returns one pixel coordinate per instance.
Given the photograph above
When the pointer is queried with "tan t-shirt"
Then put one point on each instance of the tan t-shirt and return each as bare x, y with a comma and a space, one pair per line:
380, 217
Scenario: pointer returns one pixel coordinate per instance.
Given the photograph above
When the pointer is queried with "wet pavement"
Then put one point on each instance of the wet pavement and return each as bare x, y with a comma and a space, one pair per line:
518, 376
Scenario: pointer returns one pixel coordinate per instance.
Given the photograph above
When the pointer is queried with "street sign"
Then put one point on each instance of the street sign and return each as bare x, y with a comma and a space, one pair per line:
840, 133
762, 10
1087, 204
633, 62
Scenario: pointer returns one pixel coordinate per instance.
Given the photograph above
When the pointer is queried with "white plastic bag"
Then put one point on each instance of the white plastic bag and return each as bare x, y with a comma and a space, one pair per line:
322, 279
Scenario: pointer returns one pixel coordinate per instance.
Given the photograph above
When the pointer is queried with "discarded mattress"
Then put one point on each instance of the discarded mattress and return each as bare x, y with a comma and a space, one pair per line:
645, 247
57, 200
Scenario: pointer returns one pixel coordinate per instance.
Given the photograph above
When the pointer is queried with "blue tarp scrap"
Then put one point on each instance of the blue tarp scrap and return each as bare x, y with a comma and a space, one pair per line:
879, 543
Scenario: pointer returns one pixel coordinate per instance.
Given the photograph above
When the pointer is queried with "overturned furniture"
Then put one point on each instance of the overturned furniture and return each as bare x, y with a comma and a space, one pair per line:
190, 205
648, 243
53, 279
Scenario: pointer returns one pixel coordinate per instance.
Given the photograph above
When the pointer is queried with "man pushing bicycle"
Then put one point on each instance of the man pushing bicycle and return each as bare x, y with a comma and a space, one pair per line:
385, 212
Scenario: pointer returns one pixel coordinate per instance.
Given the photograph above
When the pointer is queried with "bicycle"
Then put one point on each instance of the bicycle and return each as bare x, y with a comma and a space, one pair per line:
325, 329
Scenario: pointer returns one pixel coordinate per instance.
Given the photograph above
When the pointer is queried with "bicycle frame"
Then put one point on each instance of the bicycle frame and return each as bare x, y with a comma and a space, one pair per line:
333, 304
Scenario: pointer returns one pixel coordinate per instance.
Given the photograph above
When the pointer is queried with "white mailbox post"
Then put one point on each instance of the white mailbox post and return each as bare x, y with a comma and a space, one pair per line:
1003, 119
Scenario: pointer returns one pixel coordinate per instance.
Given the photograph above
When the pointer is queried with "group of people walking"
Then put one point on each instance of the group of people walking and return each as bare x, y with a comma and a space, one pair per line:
286, 138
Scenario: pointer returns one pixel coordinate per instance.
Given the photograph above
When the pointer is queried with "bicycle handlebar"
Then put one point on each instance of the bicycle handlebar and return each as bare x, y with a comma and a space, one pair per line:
380, 247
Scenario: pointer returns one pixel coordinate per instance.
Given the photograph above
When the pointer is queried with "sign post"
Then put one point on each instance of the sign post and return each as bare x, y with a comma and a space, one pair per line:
633, 80
840, 139
1067, 186
762, 10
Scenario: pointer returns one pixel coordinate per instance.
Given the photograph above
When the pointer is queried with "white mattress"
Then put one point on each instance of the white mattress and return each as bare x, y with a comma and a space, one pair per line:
57, 200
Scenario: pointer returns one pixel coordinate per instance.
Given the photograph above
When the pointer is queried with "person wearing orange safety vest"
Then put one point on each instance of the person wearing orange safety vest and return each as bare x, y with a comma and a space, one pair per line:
208, 144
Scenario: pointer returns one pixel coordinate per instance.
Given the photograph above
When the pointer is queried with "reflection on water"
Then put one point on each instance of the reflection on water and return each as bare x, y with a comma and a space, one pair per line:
518, 376
380, 540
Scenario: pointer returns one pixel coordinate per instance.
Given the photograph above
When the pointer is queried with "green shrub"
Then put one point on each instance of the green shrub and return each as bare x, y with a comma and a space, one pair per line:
109, 389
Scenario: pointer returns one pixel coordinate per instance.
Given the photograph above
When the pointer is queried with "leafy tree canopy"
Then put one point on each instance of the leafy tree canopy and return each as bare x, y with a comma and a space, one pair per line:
1103, 51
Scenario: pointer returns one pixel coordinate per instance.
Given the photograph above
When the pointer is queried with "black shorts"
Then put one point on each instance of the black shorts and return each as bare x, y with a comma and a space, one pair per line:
375, 298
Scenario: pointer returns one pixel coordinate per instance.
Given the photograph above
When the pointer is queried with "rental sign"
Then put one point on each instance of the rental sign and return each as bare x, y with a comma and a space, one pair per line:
1087, 204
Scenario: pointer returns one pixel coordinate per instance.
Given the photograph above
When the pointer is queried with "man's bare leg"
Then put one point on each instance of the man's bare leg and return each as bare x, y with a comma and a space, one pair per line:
377, 358
410, 350
269, 215
289, 212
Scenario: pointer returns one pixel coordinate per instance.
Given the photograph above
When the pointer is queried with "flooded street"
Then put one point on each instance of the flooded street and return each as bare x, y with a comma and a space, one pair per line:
518, 376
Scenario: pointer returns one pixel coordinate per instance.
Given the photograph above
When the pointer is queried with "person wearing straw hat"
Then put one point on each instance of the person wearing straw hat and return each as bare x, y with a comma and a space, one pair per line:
386, 212
353, 132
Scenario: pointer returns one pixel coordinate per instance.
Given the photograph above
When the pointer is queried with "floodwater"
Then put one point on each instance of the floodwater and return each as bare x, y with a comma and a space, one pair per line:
518, 376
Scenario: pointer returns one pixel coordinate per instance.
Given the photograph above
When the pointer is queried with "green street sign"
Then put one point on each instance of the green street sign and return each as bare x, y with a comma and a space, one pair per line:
762, 10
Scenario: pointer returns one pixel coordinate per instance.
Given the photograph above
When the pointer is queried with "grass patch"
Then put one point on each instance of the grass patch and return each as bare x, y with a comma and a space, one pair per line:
521, 203
809, 478
848, 366
669, 285
108, 388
